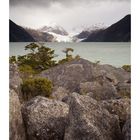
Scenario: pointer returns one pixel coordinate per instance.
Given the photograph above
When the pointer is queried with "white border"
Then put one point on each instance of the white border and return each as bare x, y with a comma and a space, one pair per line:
4, 70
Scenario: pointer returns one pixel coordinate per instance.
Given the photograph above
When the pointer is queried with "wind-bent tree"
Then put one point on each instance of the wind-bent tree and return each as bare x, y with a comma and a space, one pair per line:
39, 58
67, 50
69, 57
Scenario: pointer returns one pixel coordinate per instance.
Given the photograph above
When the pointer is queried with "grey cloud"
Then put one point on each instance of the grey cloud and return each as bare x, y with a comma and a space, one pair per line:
47, 3
37, 13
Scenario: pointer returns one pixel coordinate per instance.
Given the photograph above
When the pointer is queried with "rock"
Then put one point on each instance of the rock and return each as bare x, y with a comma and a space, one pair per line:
127, 130
59, 93
113, 74
14, 78
119, 107
17, 129
99, 89
45, 119
124, 89
71, 74
89, 121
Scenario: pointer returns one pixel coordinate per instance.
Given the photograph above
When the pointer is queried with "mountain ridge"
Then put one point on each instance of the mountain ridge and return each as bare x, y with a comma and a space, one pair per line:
18, 33
55, 29
117, 32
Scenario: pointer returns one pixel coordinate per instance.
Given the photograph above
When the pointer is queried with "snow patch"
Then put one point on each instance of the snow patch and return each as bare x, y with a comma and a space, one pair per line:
61, 38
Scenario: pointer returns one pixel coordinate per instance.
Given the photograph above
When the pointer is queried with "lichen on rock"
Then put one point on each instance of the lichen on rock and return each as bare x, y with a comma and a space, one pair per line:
88, 120
45, 119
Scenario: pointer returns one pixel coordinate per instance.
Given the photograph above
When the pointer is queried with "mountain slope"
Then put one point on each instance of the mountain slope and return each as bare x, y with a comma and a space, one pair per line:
19, 34
40, 36
54, 29
118, 32
59, 33
83, 34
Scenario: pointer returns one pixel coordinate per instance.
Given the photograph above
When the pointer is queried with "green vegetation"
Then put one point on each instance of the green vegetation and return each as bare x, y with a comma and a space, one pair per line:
12, 59
69, 57
36, 86
26, 71
127, 68
39, 58
67, 50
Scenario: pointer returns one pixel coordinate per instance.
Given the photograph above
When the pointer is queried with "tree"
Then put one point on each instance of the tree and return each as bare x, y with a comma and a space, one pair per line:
67, 50
39, 57
69, 57
32, 47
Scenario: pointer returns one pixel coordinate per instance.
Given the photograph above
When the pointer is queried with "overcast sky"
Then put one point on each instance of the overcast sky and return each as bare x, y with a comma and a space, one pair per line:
69, 14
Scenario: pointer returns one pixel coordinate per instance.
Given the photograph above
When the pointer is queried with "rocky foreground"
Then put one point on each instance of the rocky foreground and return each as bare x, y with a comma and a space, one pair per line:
89, 102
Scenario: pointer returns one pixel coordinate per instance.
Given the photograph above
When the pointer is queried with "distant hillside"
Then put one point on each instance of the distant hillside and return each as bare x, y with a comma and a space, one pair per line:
118, 32
40, 36
86, 33
19, 34
83, 34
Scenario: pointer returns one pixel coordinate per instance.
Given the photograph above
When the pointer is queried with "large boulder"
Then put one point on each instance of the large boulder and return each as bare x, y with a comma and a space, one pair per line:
100, 89
71, 74
119, 107
127, 130
124, 89
45, 119
113, 74
89, 121
17, 129
59, 93
14, 78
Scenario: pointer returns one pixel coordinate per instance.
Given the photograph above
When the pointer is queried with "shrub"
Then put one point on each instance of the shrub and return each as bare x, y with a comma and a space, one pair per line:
127, 68
68, 59
12, 59
26, 71
77, 57
36, 86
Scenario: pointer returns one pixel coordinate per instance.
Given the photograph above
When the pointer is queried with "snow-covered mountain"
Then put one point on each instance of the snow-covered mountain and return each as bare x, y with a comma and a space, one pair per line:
56, 33
62, 38
94, 27
86, 33
87, 30
59, 33
54, 29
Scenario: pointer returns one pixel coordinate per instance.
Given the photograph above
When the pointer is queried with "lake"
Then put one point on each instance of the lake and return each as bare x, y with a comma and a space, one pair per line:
116, 54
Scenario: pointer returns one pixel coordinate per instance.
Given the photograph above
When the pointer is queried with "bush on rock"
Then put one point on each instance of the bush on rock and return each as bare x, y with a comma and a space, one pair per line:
127, 68
36, 86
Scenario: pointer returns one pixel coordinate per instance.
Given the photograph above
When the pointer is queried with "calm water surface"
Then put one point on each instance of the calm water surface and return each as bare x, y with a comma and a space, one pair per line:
116, 54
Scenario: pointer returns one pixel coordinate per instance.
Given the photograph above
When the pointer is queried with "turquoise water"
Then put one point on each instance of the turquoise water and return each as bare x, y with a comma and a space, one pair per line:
116, 54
